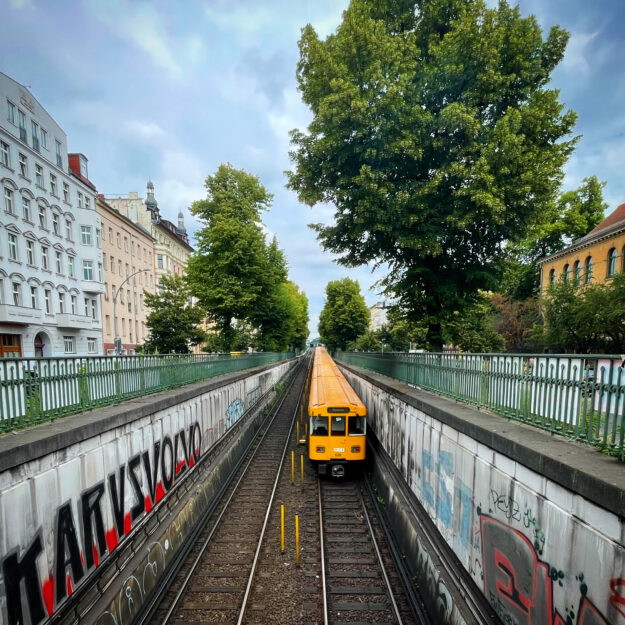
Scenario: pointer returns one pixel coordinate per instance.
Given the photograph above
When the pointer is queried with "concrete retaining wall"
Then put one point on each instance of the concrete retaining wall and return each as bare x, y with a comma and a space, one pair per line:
104, 496
536, 521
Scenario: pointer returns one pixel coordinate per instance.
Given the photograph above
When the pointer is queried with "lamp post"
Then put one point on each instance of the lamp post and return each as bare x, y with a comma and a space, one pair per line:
117, 341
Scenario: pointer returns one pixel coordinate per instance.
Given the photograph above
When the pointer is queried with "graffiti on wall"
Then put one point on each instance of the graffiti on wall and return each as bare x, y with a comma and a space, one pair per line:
80, 544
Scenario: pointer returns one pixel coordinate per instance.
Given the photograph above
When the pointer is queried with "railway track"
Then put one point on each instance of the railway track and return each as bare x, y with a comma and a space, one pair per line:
360, 583
212, 584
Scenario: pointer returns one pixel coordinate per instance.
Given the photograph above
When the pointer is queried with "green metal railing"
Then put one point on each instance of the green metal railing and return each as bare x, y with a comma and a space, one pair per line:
579, 396
36, 390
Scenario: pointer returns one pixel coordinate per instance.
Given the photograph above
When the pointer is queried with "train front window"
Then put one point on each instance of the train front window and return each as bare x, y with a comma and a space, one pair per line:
356, 426
319, 426
338, 426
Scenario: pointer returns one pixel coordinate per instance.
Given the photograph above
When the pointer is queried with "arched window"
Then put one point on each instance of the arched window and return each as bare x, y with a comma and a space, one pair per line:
612, 256
552, 276
577, 272
566, 272
588, 265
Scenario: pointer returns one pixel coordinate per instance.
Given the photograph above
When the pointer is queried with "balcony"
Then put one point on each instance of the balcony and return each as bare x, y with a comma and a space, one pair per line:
21, 315
76, 322
91, 286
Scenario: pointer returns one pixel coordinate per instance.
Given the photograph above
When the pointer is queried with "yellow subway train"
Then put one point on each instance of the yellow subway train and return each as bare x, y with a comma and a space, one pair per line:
337, 419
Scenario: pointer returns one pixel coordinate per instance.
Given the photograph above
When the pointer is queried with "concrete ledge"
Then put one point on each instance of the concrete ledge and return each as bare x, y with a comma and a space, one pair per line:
25, 445
580, 468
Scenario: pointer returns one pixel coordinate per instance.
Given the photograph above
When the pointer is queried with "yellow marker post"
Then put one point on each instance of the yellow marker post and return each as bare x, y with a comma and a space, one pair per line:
292, 467
297, 540
306, 429
301, 458
282, 529
297, 431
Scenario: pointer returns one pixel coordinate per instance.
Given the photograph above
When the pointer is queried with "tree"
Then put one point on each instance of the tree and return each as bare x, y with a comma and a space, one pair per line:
230, 270
573, 215
367, 342
472, 329
300, 322
437, 140
516, 321
344, 316
172, 320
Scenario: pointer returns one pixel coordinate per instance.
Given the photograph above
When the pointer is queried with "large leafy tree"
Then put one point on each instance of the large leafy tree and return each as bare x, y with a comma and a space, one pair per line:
300, 321
437, 139
172, 320
230, 270
345, 315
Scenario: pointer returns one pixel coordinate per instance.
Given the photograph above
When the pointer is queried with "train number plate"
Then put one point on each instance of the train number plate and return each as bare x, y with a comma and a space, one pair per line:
339, 449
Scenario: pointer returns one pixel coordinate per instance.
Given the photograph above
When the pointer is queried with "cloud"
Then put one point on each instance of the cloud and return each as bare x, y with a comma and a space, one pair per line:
143, 130
22, 4
576, 59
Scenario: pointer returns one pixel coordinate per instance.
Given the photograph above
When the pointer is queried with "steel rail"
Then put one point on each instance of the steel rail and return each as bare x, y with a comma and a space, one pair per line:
323, 558
389, 589
174, 604
273, 492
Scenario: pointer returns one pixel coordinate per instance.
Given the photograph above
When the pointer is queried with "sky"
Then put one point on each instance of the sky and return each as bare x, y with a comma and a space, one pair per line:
168, 91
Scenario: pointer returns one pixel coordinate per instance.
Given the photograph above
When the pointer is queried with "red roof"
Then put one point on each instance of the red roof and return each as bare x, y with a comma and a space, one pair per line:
612, 219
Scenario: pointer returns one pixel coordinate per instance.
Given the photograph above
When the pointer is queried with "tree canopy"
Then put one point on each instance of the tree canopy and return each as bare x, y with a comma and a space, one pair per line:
172, 320
437, 139
344, 316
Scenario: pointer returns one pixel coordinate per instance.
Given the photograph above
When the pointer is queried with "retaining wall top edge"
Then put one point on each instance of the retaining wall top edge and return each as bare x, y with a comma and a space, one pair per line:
22, 446
580, 468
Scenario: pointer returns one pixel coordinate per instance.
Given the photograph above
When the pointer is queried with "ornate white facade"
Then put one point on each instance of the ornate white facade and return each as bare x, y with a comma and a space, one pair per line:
51, 273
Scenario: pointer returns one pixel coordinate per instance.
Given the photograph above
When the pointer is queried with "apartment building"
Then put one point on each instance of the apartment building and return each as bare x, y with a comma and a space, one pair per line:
51, 271
128, 258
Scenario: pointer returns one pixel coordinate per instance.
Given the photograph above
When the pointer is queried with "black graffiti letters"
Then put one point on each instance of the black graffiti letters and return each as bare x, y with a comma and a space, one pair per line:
117, 499
67, 550
168, 478
16, 570
92, 514
139, 508
152, 474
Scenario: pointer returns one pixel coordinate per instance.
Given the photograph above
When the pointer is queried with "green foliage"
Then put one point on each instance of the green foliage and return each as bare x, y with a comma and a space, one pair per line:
172, 320
367, 342
345, 315
473, 330
573, 215
437, 139
516, 321
588, 319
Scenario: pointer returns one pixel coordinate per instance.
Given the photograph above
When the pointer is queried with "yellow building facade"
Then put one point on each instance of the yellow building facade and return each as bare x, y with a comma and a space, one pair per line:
595, 258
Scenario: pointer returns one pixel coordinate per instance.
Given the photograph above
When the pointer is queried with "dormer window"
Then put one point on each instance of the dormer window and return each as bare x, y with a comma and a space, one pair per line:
83, 166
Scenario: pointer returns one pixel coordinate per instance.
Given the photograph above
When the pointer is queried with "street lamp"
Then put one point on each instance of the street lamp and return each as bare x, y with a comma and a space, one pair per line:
117, 340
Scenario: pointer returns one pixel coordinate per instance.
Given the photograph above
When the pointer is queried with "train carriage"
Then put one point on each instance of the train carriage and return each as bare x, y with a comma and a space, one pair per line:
337, 419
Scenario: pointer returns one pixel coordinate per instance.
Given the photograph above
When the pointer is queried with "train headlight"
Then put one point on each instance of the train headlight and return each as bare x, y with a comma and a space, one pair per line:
319, 449
356, 449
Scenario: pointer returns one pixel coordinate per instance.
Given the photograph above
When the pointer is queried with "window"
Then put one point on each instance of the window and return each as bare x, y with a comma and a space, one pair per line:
83, 167
48, 300
71, 271
12, 246
56, 224
125, 244
577, 272
21, 122
87, 202
108, 324
30, 253
33, 297
159, 261
127, 270
612, 256
111, 236
319, 426
85, 235
59, 155
35, 132
337, 426
87, 270
99, 272
52, 184
73, 304
26, 209
80, 204
68, 343
566, 271
43, 221
92, 343
5, 154
39, 175
23, 165
94, 309
8, 200
68, 230
44, 138
552, 276
66, 192
588, 265
61, 303
356, 426
119, 240
112, 265
11, 112
98, 240
17, 294
59, 262
44, 257
119, 267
